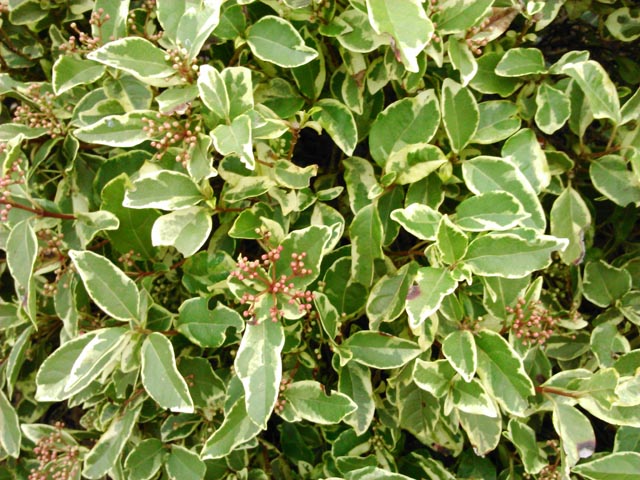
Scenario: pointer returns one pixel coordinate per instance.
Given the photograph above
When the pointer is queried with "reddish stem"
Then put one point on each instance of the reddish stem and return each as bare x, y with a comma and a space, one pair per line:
39, 211
556, 391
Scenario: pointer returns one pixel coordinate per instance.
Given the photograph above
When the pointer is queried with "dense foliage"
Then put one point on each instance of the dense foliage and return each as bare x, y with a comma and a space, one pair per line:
358, 239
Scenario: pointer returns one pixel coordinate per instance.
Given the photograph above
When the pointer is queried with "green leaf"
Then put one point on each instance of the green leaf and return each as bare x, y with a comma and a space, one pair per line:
133, 94
105, 453
553, 108
460, 114
185, 229
407, 23
183, 464
275, 40
310, 78
17, 357
459, 347
137, 56
386, 302
360, 179
615, 466
188, 24
498, 120
204, 327
518, 62
9, 131
597, 87
89, 224
10, 434
236, 429
575, 432
524, 151
21, 253
339, 123
160, 376
523, 438
173, 98
433, 377
145, 460
419, 220
581, 116
163, 189
630, 306
462, 59
134, 230
374, 473
430, 287
355, 33
627, 439
366, 236
451, 241
502, 373
629, 111
213, 91
98, 357
490, 211
455, 16
355, 382
604, 284
53, 373
240, 90
511, 256
310, 401
412, 163
290, 175
484, 432
115, 293
379, 350
492, 174
404, 122
487, 81
235, 138
612, 178
69, 72
471, 398
417, 412
570, 219
116, 130
624, 24
259, 366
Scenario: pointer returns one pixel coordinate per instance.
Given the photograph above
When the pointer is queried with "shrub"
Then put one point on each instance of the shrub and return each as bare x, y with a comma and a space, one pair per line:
360, 239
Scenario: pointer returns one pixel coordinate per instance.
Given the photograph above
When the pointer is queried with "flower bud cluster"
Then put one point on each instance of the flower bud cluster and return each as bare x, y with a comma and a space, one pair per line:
172, 133
128, 258
51, 251
532, 323
56, 460
476, 44
15, 176
40, 113
281, 402
274, 285
186, 67
82, 42
144, 27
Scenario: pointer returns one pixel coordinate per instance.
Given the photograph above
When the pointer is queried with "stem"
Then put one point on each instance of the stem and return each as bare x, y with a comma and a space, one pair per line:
612, 137
295, 132
556, 391
39, 211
